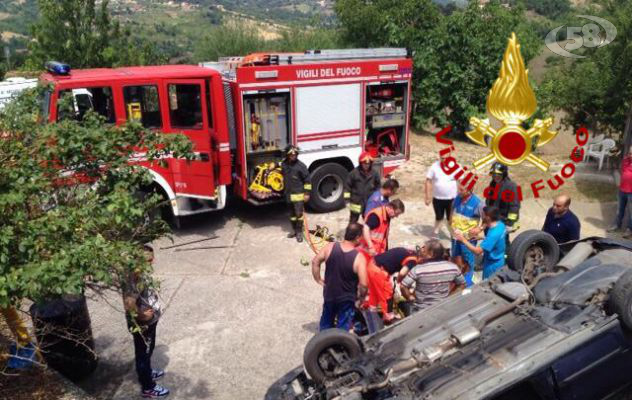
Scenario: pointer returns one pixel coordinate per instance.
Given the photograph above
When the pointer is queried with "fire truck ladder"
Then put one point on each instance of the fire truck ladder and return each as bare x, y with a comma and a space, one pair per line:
311, 56
227, 65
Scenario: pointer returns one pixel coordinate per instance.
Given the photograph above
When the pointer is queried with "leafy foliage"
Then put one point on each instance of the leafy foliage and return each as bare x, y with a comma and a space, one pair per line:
235, 39
81, 33
228, 40
596, 91
71, 214
457, 56
549, 8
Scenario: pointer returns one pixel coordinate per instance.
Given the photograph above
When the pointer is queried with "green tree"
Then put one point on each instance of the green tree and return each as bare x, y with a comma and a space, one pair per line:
468, 48
72, 218
298, 39
456, 57
549, 8
229, 40
596, 91
82, 33
362, 22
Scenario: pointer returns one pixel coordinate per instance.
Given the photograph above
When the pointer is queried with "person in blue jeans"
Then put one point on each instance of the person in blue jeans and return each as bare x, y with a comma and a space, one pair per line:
493, 246
467, 210
345, 281
143, 311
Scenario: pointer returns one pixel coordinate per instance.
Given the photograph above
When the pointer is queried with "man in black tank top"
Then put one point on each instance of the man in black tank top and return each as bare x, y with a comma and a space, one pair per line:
345, 279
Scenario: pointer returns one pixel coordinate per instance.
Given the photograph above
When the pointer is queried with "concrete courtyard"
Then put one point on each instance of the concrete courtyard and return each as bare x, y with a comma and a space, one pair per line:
237, 318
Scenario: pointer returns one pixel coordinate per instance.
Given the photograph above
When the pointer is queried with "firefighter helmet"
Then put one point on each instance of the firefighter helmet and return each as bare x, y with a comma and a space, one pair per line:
365, 156
290, 149
500, 169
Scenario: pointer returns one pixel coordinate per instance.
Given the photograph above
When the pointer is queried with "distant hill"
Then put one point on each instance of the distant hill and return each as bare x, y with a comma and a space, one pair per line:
175, 25
16, 16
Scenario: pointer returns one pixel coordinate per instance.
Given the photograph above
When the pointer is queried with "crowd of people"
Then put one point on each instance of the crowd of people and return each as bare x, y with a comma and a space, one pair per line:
363, 273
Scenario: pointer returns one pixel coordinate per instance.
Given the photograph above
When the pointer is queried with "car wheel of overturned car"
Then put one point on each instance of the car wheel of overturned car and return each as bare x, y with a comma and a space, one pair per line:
533, 252
326, 352
621, 299
328, 187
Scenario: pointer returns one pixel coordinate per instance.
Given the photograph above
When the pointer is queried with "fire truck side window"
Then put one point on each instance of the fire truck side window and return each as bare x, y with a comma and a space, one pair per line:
185, 106
75, 103
142, 104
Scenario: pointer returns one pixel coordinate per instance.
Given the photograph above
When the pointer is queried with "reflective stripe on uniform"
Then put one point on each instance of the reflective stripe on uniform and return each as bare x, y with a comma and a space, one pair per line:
307, 186
292, 219
347, 195
297, 197
379, 235
299, 218
512, 216
355, 208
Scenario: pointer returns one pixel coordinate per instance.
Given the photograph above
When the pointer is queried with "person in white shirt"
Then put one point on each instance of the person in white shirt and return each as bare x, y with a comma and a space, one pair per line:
441, 189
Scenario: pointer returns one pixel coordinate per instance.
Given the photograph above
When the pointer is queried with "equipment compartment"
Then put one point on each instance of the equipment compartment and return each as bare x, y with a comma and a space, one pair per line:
266, 117
267, 128
386, 110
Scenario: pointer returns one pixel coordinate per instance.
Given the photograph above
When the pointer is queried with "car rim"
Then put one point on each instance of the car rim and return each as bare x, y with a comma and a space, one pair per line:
332, 358
533, 260
330, 188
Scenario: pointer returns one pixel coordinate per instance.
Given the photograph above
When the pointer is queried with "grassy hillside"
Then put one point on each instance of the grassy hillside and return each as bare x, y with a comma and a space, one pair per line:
175, 26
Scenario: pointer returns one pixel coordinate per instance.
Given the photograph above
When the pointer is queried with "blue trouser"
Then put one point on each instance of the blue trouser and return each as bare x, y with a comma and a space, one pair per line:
459, 249
624, 200
490, 269
337, 314
144, 343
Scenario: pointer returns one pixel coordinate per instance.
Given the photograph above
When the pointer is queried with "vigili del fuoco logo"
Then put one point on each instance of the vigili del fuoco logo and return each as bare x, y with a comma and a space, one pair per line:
512, 101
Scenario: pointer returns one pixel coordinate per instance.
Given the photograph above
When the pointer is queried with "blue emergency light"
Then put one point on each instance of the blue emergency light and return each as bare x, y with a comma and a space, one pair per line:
57, 68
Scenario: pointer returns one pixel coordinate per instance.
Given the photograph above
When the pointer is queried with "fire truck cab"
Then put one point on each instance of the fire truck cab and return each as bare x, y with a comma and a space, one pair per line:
241, 112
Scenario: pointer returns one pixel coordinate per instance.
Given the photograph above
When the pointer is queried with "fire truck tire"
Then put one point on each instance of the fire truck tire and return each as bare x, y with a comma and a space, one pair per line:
162, 211
328, 188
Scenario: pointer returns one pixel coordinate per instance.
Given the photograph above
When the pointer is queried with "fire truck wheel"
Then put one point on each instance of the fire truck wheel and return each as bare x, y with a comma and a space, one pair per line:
161, 211
328, 188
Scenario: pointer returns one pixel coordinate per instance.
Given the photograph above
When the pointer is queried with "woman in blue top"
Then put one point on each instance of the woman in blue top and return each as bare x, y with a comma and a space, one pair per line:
493, 246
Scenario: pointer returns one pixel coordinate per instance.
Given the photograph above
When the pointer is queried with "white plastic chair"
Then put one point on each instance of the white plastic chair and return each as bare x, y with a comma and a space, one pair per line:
592, 140
600, 150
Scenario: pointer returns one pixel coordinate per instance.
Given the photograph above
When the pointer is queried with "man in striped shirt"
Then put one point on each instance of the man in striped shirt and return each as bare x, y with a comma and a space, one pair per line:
433, 280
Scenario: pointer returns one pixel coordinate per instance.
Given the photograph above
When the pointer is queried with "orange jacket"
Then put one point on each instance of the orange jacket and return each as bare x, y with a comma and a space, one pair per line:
379, 235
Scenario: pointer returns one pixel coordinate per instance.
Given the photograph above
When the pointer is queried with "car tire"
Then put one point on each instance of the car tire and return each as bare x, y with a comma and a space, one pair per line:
341, 341
621, 299
533, 252
328, 187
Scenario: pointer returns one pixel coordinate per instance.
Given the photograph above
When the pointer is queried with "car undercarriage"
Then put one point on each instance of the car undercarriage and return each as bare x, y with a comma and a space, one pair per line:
484, 340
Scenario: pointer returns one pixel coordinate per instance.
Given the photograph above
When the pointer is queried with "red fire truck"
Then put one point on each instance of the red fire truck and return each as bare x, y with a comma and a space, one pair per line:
241, 112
